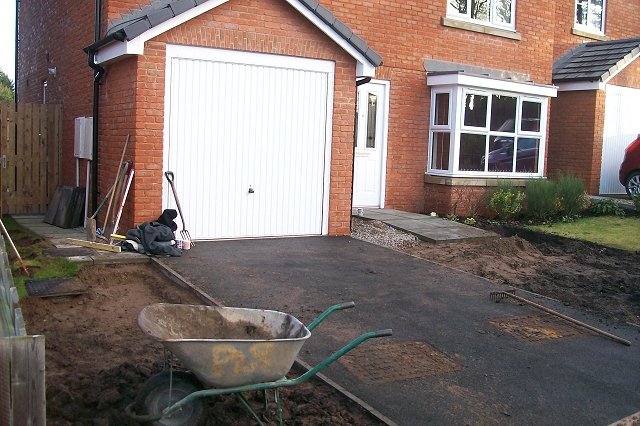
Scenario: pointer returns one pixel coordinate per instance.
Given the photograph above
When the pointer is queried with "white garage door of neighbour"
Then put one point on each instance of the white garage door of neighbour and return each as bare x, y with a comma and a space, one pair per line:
621, 127
248, 137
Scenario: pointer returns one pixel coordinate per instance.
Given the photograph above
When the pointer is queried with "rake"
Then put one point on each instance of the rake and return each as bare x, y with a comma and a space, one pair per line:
184, 233
500, 295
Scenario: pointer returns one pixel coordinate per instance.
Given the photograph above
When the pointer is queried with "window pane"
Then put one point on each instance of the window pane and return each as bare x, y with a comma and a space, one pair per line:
500, 154
595, 14
458, 6
472, 150
503, 113
480, 10
372, 114
503, 11
440, 150
581, 11
475, 110
442, 109
531, 112
527, 155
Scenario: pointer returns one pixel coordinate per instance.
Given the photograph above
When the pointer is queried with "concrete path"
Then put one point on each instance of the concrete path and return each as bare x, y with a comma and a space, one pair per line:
425, 227
455, 357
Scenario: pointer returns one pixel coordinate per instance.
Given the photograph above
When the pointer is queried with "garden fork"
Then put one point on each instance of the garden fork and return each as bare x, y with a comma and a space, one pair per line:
184, 233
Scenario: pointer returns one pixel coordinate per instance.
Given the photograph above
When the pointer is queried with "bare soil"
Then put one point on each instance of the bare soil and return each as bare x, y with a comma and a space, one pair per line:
97, 358
594, 278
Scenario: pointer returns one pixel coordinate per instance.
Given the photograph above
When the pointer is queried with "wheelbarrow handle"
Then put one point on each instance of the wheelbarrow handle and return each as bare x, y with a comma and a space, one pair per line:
328, 311
278, 383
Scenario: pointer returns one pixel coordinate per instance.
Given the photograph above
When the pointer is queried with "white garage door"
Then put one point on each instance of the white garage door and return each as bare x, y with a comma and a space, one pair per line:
248, 137
621, 127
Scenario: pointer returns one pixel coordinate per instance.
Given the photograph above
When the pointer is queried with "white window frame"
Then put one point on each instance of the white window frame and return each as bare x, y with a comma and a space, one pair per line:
586, 27
452, 13
456, 127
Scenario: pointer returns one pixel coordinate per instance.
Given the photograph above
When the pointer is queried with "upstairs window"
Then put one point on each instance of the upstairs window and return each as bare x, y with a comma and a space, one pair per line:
590, 15
499, 13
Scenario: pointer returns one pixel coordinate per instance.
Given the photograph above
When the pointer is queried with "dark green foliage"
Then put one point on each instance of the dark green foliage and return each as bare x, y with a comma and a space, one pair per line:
571, 193
541, 198
605, 207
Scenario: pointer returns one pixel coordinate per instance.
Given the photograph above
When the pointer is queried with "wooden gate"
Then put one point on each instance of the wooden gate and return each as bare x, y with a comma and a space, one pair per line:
30, 138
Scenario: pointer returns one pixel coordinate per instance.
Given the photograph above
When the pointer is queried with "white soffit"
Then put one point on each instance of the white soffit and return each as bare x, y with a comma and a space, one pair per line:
575, 86
461, 79
364, 68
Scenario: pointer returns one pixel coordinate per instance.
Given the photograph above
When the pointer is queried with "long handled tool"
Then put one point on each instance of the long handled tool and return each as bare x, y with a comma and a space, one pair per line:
184, 233
13, 247
115, 184
499, 295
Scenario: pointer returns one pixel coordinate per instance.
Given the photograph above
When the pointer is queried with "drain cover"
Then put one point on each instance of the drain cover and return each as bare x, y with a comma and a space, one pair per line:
55, 287
535, 328
391, 362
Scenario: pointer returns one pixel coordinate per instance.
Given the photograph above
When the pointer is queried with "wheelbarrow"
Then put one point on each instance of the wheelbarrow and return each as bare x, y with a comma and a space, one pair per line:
226, 351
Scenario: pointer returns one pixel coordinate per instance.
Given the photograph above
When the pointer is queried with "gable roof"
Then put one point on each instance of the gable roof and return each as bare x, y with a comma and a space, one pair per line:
596, 62
160, 13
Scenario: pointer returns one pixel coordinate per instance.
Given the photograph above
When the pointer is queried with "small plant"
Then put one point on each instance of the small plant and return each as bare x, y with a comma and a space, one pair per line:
469, 221
452, 217
541, 198
605, 207
636, 201
571, 193
506, 201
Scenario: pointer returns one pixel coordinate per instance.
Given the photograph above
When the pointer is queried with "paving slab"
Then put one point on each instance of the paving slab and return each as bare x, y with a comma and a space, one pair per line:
455, 357
425, 227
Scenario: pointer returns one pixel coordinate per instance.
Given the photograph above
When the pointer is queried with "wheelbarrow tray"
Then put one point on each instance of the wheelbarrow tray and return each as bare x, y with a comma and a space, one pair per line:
227, 347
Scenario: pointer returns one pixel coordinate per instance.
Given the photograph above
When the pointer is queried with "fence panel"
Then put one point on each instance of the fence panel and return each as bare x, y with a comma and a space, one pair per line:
30, 138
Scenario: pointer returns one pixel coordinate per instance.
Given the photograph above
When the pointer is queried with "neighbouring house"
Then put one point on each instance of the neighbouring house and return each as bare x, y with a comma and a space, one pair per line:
279, 116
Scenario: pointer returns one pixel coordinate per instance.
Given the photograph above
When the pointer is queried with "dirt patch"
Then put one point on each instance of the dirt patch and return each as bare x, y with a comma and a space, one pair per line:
594, 278
97, 357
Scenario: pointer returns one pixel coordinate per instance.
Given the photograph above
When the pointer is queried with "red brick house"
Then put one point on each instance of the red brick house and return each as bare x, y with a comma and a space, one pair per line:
251, 103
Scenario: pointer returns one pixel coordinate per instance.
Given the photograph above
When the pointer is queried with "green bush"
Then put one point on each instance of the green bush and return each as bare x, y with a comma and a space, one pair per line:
506, 200
605, 207
541, 198
571, 194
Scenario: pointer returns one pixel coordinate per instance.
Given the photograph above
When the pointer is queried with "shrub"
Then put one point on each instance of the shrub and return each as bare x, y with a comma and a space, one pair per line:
506, 200
605, 207
571, 194
636, 202
541, 198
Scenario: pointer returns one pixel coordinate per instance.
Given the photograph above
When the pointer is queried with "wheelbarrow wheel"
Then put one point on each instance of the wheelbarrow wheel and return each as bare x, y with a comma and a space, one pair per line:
162, 390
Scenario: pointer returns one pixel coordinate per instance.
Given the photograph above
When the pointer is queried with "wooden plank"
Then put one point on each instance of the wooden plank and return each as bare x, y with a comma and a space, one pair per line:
5, 382
28, 380
97, 246
4, 126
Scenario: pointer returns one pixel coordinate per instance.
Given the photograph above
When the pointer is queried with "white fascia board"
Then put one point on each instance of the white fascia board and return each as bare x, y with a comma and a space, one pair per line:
581, 85
136, 46
364, 68
460, 79
619, 69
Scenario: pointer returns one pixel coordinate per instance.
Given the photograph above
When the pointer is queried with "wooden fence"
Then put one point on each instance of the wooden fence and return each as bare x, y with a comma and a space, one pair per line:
30, 139
22, 359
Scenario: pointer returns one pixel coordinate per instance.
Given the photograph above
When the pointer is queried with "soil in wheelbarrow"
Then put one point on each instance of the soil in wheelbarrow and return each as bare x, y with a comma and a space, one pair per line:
97, 358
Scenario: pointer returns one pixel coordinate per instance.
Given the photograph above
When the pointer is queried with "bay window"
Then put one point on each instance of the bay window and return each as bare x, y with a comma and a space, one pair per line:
499, 13
485, 132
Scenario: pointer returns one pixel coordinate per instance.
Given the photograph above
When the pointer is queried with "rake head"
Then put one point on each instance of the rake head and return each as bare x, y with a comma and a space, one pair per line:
497, 296
186, 236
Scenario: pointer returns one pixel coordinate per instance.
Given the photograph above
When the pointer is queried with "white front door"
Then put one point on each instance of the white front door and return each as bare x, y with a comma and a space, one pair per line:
371, 145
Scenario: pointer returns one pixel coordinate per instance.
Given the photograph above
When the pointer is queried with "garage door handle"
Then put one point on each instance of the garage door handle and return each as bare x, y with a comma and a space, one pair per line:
251, 191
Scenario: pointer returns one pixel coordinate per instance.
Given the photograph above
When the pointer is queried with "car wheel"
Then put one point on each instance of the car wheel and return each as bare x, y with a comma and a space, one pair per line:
162, 390
633, 184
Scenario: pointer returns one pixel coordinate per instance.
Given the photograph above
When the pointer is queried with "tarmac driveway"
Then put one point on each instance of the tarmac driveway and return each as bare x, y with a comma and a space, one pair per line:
455, 356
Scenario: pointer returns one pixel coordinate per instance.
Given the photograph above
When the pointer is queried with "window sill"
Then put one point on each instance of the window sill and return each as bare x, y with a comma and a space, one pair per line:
471, 181
479, 28
589, 34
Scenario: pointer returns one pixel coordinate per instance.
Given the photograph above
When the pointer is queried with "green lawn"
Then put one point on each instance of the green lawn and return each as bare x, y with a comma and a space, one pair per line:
611, 231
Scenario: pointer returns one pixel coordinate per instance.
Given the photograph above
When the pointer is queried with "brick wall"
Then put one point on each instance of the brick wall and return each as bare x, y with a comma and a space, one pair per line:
407, 33
577, 134
251, 25
53, 34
